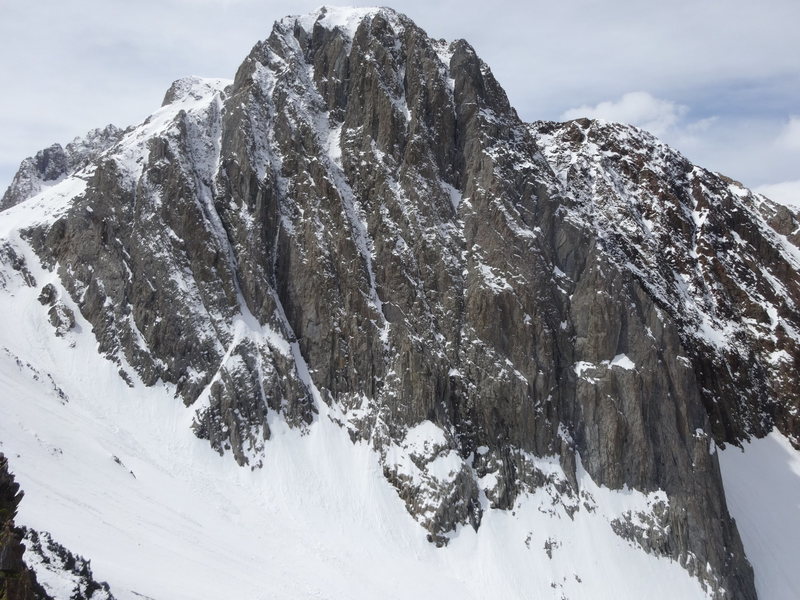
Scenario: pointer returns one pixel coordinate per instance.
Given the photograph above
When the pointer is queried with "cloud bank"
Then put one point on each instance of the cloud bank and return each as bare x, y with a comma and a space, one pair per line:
637, 108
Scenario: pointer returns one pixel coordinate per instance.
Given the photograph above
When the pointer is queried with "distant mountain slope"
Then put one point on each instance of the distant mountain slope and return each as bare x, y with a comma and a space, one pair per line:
53, 164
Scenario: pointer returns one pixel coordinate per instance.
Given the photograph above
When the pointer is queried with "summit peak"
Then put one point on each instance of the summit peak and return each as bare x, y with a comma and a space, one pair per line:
345, 18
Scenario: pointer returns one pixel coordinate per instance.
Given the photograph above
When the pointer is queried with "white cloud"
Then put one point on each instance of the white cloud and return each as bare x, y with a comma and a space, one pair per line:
790, 135
701, 126
787, 193
637, 108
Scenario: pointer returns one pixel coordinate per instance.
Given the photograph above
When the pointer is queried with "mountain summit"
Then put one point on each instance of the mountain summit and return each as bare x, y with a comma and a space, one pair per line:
539, 331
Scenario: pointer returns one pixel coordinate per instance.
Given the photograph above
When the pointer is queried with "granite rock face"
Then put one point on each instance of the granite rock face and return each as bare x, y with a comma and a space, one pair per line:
53, 164
359, 225
720, 261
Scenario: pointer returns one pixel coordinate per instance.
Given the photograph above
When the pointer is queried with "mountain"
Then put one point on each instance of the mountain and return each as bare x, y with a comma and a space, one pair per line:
51, 165
421, 334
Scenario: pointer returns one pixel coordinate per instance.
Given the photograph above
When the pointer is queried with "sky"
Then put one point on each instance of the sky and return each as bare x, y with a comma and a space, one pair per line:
717, 79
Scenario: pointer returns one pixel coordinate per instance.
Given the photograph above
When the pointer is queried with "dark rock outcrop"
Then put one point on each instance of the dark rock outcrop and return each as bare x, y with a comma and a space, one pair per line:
72, 572
17, 581
720, 261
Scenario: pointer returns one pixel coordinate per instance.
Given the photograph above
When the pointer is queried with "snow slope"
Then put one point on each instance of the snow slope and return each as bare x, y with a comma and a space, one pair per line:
115, 474
762, 485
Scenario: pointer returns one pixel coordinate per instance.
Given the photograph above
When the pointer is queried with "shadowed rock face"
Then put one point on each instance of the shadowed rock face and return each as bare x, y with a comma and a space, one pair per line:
361, 219
17, 581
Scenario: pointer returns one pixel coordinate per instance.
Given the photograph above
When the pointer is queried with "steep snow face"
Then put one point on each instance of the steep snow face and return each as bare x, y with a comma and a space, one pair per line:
762, 484
112, 471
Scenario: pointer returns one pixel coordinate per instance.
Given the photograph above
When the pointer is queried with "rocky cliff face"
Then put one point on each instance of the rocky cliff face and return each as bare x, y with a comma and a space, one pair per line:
53, 164
359, 226
721, 261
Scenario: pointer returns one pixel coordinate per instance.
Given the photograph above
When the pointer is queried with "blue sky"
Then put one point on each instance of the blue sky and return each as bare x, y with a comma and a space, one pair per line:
717, 79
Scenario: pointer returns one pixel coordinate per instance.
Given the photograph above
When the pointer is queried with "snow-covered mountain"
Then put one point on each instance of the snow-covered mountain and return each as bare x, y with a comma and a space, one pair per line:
345, 326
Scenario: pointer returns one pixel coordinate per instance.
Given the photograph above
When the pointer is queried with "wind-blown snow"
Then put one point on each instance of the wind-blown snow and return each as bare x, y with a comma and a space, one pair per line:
762, 486
46, 206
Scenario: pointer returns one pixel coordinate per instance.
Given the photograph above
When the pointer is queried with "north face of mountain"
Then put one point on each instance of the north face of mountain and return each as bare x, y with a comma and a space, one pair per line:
360, 226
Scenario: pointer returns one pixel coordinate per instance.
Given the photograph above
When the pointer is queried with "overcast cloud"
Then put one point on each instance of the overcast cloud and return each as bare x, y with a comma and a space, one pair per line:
655, 115
717, 79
